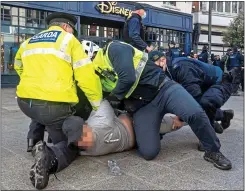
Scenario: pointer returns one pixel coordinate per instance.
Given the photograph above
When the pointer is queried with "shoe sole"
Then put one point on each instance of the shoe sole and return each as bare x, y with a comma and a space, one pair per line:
217, 166
37, 179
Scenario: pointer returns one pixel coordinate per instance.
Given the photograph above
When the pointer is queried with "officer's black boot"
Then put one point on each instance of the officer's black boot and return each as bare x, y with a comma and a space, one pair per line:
228, 116
200, 147
45, 164
31, 143
218, 159
218, 128
49, 140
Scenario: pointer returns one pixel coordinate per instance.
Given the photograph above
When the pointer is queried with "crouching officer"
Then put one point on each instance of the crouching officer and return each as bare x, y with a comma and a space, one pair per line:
204, 55
207, 84
48, 65
127, 73
236, 61
133, 31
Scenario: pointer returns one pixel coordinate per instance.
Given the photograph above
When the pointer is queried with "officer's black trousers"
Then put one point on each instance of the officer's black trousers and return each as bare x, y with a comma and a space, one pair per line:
53, 115
36, 131
83, 109
237, 75
176, 100
214, 98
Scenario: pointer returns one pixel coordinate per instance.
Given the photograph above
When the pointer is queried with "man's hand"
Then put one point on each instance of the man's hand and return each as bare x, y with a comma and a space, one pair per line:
149, 48
177, 123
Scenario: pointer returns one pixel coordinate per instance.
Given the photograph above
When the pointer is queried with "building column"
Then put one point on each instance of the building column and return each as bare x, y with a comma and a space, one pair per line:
187, 47
78, 27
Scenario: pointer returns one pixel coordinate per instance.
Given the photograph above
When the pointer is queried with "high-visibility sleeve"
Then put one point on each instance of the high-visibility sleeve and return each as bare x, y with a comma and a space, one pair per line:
18, 65
85, 75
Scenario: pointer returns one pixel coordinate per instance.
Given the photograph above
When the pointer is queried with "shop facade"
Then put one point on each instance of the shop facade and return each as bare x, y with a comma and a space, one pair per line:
97, 21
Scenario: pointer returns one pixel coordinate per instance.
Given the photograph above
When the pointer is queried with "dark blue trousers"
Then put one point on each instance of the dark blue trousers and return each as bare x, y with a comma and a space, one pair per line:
176, 100
214, 98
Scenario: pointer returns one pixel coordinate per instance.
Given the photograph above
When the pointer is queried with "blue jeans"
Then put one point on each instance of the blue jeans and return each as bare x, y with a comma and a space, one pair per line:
176, 100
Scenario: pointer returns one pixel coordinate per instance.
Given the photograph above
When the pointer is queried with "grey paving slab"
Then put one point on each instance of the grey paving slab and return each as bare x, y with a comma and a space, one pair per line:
121, 183
164, 177
15, 173
84, 171
5, 153
179, 166
205, 171
113, 156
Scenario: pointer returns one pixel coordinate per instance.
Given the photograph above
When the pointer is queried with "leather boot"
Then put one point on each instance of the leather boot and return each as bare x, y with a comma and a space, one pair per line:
228, 116
30, 144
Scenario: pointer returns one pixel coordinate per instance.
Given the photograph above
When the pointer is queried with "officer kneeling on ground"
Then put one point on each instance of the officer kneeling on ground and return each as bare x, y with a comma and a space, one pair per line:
127, 73
206, 83
47, 65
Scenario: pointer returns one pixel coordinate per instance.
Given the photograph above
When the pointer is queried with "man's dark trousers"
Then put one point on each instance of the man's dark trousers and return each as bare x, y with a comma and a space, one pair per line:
53, 115
36, 131
176, 100
237, 73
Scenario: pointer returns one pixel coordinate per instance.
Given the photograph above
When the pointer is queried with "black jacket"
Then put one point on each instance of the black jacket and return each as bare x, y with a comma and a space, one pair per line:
121, 58
133, 32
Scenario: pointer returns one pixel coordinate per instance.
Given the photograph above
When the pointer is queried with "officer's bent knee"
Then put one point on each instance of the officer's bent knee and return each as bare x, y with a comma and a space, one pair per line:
150, 154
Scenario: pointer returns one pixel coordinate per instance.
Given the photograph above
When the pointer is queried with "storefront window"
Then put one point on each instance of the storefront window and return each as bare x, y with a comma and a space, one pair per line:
213, 5
17, 25
241, 6
162, 37
220, 6
227, 6
99, 31
234, 7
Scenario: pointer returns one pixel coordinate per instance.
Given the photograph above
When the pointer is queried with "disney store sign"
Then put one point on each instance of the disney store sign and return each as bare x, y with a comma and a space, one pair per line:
110, 7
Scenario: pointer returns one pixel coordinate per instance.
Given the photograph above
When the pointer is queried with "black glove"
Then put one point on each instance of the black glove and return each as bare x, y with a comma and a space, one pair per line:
113, 100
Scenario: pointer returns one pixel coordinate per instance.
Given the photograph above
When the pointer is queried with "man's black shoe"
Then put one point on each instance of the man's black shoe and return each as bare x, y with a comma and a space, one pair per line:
218, 159
200, 147
228, 116
31, 143
49, 140
45, 164
218, 128
227, 78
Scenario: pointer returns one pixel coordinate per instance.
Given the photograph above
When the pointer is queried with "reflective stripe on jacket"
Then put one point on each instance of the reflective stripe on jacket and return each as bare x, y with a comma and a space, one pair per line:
48, 65
109, 77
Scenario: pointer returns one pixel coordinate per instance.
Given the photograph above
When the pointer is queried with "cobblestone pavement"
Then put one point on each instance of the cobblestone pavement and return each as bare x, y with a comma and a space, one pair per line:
179, 165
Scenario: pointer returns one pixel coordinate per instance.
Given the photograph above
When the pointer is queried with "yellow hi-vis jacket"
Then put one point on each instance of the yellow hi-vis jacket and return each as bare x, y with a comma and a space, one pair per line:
48, 65
102, 63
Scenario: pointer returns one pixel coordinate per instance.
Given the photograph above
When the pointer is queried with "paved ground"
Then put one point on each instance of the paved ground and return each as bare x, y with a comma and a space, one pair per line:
178, 166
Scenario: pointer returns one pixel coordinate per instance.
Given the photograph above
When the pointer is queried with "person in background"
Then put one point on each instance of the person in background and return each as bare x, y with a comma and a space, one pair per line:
191, 55
217, 62
236, 62
174, 51
133, 30
195, 56
204, 55
225, 59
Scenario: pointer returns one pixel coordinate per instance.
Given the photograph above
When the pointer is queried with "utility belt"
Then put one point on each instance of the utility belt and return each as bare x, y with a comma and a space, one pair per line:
31, 101
147, 94
134, 103
107, 74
